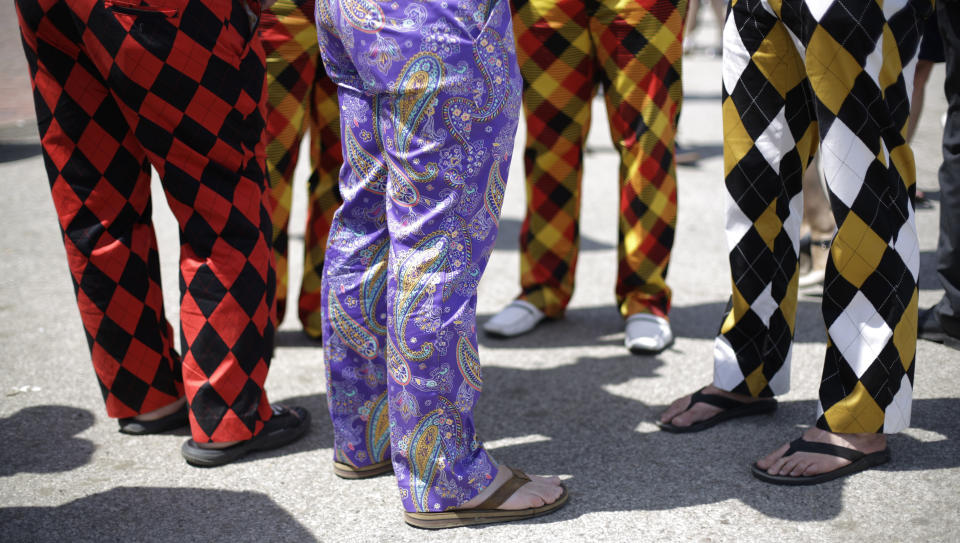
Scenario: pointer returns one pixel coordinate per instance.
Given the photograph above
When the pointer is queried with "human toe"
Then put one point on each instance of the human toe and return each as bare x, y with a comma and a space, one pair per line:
767, 462
678, 406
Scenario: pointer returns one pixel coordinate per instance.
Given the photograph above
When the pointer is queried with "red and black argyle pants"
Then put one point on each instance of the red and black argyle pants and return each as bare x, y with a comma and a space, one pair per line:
565, 48
301, 99
120, 86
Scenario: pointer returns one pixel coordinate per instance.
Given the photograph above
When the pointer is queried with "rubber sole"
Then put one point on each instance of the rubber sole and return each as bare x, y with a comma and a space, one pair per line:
270, 437
760, 407
346, 471
473, 517
134, 427
866, 462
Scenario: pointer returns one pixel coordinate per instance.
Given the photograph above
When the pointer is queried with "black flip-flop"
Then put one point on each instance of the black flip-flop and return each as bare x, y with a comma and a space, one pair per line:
858, 462
172, 421
731, 409
285, 426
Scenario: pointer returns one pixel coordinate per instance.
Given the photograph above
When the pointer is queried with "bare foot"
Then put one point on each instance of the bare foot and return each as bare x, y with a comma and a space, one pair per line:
538, 492
161, 412
806, 464
681, 413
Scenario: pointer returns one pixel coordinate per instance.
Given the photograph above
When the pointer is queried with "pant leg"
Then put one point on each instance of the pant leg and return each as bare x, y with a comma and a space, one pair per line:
870, 290
429, 159
100, 183
301, 99
290, 46
769, 139
557, 60
639, 47
190, 81
323, 199
948, 243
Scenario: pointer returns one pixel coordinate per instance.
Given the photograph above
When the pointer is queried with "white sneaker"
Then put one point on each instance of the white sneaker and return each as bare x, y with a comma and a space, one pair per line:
519, 317
647, 334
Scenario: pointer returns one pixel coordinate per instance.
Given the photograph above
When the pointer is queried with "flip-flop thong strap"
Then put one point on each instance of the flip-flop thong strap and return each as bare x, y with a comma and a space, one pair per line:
712, 399
802, 445
501, 495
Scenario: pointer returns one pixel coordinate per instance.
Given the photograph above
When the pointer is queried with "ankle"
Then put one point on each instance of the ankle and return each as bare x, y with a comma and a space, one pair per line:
710, 389
503, 474
161, 412
864, 442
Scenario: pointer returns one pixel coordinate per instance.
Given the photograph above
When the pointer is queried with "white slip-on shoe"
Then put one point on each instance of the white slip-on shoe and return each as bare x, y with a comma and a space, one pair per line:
519, 317
647, 334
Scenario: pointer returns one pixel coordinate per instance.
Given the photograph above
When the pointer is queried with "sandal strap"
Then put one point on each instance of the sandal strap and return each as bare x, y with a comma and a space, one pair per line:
712, 399
802, 445
508, 488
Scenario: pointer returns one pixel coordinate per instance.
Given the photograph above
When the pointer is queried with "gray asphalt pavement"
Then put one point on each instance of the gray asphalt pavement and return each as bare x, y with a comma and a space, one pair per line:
567, 399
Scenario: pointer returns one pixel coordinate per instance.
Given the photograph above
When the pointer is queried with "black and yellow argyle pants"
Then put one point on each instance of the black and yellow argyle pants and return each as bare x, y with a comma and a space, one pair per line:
301, 100
565, 48
835, 73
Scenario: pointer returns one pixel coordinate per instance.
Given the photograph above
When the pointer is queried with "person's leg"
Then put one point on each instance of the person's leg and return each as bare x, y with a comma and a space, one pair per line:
946, 313
430, 161
769, 139
195, 93
870, 293
690, 22
819, 223
100, 183
326, 158
719, 8
354, 306
286, 31
556, 58
920, 78
643, 93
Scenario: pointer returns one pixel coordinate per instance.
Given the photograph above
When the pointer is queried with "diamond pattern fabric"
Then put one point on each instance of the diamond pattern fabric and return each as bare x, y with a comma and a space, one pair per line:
799, 73
178, 85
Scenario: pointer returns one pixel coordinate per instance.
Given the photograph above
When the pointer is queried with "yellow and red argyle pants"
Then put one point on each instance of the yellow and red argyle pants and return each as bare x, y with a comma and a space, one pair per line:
121, 86
301, 99
565, 48
838, 73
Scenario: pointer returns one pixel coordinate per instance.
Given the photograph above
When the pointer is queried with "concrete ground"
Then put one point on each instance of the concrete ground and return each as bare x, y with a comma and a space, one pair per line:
567, 399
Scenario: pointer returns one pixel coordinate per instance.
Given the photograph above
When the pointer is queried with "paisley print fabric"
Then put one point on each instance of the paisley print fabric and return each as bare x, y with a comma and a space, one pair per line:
429, 98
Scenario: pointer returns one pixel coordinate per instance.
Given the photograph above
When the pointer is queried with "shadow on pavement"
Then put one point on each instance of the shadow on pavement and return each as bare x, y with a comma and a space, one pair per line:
620, 461
18, 151
295, 338
320, 435
44, 440
156, 514
595, 326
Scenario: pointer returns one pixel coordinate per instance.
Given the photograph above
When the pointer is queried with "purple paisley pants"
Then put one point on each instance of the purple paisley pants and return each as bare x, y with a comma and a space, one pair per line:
429, 99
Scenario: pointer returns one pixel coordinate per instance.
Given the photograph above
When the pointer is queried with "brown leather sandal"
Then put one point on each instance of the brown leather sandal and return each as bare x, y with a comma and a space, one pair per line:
346, 471
487, 512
